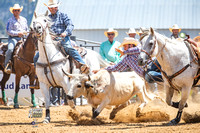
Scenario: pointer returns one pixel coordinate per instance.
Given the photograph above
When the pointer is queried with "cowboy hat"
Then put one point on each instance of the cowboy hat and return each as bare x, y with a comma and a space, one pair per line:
52, 3
129, 40
111, 30
15, 7
131, 31
175, 26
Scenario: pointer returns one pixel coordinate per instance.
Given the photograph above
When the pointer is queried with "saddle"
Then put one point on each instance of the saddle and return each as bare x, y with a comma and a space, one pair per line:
196, 60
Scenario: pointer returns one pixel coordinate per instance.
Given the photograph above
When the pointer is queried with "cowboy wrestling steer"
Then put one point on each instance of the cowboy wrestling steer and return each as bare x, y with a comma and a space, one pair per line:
104, 88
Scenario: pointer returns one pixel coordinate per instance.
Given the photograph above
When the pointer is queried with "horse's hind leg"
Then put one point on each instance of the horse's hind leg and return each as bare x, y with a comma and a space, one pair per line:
2, 84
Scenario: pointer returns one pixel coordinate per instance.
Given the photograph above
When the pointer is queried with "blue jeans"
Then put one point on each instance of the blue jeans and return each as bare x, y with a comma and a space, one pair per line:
12, 41
66, 44
35, 58
153, 73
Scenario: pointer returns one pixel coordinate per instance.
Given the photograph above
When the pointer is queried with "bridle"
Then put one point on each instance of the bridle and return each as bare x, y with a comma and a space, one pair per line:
49, 64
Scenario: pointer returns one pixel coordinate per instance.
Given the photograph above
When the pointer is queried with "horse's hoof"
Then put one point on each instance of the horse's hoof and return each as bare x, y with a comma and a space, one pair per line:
95, 114
35, 105
138, 112
5, 104
46, 120
172, 123
16, 106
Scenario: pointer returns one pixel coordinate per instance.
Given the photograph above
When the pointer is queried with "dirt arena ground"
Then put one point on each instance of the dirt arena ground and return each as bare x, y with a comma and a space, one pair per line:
156, 115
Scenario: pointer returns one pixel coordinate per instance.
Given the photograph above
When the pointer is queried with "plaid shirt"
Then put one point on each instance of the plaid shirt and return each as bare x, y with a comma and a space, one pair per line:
15, 26
61, 23
130, 61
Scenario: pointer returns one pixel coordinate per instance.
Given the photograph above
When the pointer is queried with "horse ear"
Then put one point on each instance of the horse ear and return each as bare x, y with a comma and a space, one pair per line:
35, 15
152, 31
46, 14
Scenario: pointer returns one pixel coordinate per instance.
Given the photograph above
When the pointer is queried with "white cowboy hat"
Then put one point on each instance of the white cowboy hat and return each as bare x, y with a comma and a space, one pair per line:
131, 31
111, 30
129, 40
15, 7
175, 26
52, 3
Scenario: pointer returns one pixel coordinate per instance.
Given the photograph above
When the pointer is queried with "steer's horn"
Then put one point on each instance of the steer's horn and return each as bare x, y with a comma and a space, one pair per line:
70, 75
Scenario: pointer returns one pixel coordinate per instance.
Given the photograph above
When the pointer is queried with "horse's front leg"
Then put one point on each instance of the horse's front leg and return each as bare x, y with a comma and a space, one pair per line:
169, 94
46, 93
2, 85
184, 96
17, 87
31, 79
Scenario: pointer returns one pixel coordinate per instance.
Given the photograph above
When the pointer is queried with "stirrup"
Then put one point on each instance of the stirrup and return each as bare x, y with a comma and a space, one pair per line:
35, 84
8, 68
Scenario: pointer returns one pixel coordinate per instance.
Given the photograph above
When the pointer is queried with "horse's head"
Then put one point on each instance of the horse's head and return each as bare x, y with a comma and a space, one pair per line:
40, 24
149, 46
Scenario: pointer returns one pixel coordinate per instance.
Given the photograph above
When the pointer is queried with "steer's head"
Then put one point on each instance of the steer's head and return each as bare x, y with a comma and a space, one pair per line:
84, 85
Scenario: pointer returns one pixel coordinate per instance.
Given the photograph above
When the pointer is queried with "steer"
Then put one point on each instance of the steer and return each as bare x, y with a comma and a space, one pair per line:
109, 88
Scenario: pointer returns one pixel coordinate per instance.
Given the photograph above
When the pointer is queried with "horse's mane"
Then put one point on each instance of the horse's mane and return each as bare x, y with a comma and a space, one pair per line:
145, 33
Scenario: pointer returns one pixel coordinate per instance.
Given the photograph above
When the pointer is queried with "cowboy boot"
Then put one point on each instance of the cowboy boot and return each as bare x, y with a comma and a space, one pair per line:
35, 84
8, 67
84, 69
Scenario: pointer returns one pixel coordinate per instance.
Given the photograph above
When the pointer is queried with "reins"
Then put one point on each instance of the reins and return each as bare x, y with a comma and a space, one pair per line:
49, 64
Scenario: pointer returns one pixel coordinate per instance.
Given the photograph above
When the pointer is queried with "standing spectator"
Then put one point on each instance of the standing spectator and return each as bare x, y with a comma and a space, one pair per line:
131, 32
107, 48
16, 28
175, 31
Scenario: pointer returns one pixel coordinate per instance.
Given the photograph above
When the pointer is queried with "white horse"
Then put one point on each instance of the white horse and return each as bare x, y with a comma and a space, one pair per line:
174, 57
49, 52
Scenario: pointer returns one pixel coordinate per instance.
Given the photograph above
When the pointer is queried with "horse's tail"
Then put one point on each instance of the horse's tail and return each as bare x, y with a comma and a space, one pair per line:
102, 62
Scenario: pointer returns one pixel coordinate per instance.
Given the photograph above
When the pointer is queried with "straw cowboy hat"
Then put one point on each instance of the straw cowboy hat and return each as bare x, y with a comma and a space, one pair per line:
131, 31
111, 30
15, 7
129, 40
52, 3
175, 26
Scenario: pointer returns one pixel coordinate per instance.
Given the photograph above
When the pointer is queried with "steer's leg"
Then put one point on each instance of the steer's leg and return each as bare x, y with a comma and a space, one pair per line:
143, 100
103, 104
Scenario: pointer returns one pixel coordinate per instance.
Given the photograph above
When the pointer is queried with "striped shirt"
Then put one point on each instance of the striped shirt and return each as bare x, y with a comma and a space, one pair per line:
15, 26
129, 61
61, 23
